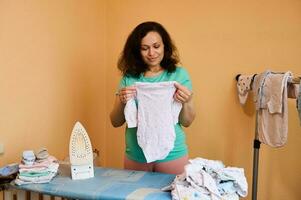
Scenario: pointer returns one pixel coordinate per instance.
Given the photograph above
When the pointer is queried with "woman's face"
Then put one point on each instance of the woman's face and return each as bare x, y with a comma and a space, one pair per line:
152, 49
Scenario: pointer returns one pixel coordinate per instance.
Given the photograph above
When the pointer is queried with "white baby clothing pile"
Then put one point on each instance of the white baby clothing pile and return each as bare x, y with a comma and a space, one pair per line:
41, 170
155, 117
209, 180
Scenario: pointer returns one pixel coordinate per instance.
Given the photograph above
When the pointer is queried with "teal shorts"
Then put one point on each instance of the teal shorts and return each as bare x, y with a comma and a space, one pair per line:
134, 152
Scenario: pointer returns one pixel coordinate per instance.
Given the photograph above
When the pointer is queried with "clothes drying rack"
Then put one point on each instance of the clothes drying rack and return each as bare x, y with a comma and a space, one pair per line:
256, 142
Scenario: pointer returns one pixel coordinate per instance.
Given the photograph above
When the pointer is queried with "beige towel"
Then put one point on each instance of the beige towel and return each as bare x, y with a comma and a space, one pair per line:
271, 102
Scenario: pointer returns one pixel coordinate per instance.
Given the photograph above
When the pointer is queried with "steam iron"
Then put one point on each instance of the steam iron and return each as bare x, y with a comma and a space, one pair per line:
81, 154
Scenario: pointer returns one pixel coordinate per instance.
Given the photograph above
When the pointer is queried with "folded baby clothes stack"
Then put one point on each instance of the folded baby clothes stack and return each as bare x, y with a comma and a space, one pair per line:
42, 170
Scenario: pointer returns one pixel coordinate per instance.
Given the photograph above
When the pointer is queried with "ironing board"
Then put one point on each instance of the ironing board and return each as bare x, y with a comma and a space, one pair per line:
107, 184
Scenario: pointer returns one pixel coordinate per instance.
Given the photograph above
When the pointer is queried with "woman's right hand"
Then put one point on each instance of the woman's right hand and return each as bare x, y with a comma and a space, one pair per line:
126, 93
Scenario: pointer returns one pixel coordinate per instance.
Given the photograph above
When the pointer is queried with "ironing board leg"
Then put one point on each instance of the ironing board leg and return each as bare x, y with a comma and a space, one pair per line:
255, 168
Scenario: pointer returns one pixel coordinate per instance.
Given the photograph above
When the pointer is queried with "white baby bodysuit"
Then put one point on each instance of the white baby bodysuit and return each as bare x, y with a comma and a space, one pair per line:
155, 117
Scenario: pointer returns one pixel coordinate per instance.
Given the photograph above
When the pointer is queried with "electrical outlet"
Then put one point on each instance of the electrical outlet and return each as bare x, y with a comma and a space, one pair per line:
1, 148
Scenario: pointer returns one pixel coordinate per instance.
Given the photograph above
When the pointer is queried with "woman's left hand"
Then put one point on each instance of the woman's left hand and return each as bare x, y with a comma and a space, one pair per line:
182, 94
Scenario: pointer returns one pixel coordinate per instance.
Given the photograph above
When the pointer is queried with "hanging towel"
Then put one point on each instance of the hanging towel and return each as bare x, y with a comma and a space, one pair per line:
270, 97
155, 116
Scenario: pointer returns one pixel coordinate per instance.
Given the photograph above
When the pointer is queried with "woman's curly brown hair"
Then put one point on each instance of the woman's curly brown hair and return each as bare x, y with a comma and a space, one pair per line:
130, 61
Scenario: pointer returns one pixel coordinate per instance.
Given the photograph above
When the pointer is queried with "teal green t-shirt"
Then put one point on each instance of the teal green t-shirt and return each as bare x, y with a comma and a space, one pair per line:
133, 150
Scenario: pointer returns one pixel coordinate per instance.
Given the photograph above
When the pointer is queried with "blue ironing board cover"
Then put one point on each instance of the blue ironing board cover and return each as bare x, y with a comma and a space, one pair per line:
107, 184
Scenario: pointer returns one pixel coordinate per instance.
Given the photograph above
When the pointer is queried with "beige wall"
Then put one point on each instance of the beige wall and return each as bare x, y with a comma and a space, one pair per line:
58, 65
52, 61
217, 40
